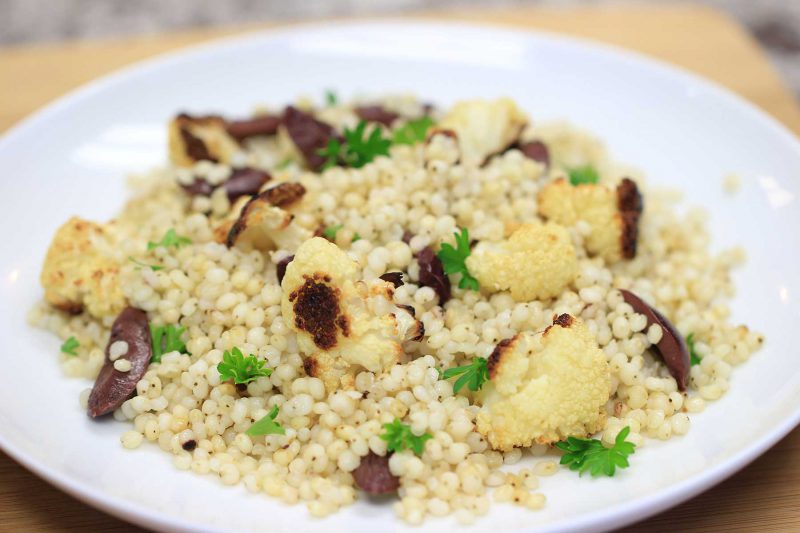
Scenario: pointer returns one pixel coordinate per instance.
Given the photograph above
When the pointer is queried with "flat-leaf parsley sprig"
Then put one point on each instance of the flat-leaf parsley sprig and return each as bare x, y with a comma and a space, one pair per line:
241, 369
330, 233
589, 455
473, 375
170, 239
398, 437
267, 425
166, 339
331, 98
139, 264
412, 132
694, 358
358, 148
69, 346
583, 175
454, 260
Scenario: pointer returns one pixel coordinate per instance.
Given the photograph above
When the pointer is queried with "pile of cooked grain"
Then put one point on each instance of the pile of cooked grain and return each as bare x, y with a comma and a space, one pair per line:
350, 351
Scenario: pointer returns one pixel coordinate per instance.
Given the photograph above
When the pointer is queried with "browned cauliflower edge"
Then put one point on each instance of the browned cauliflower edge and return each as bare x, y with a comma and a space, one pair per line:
200, 138
545, 387
264, 221
77, 275
612, 213
538, 261
343, 325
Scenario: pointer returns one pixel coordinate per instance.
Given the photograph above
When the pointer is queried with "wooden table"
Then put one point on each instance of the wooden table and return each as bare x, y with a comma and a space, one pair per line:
763, 497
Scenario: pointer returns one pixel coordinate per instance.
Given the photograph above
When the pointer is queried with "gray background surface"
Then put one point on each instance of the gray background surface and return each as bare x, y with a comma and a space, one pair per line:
776, 23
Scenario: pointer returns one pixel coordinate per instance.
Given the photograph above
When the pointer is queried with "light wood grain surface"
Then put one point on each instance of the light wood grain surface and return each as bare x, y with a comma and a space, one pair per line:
763, 497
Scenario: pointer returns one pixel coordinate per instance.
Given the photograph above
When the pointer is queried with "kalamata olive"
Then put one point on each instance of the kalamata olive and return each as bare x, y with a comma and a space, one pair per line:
395, 278
245, 182
373, 475
242, 129
537, 151
376, 113
113, 387
672, 347
199, 187
308, 134
281, 267
630, 205
431, 274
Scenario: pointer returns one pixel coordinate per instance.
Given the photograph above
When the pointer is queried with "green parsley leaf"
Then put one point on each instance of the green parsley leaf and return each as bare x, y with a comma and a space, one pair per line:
590, 455
454, 260
693, 357
241, 369
440, 372
267, 425
170, 238
361, 150
398, 437
331, 231
69, 346
583, 175
284, 164
473, 375
414, 131
154, 268
358, 148
332, 153
331, 98
166, 339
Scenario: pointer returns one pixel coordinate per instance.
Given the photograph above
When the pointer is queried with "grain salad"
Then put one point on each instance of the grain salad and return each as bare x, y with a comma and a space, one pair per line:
330, 301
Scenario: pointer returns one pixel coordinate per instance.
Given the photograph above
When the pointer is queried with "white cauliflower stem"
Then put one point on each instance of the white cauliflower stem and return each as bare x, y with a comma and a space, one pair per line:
343, 325
545, 387
538, 261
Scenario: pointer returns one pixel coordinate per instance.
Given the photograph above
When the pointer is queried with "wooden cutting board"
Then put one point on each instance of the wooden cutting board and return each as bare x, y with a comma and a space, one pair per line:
764, 497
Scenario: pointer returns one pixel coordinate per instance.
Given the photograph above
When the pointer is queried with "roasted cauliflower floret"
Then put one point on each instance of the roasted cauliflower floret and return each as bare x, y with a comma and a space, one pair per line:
484, 128
265, 221
343, 325
612, 213
193, 139
79, 273
537, 262
545, 387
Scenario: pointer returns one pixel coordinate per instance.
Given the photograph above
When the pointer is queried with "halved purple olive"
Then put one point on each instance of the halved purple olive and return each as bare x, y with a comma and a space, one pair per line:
431, 274
113, 387
373, 475
280, 268
245, 182
243, 129
672, 347
537, 151
308, 134
376, 113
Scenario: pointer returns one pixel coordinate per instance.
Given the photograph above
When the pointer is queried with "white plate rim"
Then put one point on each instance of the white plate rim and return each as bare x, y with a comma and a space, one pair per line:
614, 517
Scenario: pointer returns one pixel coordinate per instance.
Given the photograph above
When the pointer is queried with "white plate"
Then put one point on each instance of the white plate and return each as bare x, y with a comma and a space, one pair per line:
71, 158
